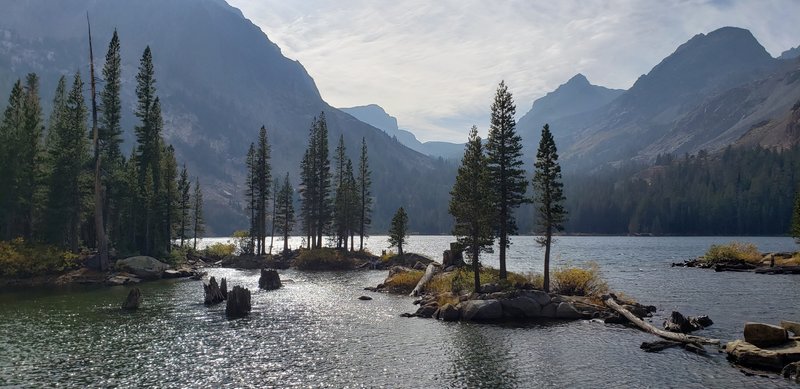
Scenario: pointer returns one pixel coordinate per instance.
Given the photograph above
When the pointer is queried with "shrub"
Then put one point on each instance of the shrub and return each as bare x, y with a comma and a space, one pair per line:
177, 256
20, 259
733, 251
387, 255
220, 250
404, 281
462, 280
323, 259
579, 281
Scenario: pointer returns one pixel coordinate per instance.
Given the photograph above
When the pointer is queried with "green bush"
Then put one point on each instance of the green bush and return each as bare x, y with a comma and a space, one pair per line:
20, 259
177, 256
579, 281
733, 251
323, 259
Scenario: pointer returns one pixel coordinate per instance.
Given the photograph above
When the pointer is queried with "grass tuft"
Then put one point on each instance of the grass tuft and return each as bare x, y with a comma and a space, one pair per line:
733, 251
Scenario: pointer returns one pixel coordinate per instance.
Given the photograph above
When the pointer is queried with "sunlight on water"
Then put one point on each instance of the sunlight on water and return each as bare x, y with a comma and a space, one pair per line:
315, 332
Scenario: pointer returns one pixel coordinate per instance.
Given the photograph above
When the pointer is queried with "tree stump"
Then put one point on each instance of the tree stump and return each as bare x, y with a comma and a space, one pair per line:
133, 301
269, 279
238, 304
223, 288
213, 294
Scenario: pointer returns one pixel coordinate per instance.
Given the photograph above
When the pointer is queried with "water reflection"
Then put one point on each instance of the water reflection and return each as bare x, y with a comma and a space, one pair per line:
479, 359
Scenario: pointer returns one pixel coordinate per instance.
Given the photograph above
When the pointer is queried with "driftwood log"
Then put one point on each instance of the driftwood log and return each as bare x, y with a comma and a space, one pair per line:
682, 338
429, 273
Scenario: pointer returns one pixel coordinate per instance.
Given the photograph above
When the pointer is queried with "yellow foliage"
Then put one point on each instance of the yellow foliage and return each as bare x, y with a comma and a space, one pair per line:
462, 280
733, 251
579, 281
220, 250
19, 259
404, 281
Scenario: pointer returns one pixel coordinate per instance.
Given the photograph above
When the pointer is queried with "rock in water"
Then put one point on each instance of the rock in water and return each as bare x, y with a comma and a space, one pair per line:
133, 301
680, 324
269, 279
764, 335
213, 294
238, 304
365, 298
223, 288
792, 371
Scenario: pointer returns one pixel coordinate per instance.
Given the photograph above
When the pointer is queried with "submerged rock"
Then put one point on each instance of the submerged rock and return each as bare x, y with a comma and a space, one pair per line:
365, 298
133, 301
269, 279
764, 335
238, 304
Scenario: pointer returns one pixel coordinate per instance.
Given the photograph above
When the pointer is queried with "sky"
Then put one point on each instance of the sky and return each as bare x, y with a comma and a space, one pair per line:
435, 65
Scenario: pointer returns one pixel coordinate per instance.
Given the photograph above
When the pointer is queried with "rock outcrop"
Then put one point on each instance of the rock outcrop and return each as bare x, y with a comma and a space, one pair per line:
680, 324
238, 304
770, 359
144, 267
269, 279
133, 301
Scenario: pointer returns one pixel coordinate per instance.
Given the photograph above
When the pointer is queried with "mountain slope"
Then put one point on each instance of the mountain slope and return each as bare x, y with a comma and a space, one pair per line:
219, 79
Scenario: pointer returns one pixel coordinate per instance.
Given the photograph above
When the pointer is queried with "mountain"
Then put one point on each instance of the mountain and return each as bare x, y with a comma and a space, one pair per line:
679, 106
377, 117
563, 109
791, 53
219, 79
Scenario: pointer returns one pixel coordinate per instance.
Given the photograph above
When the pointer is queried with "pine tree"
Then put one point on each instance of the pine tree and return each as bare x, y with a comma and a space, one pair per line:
352, 204
470, 204
340, 199
69, 155
110, 138
169, 198
184, 205
10, 128
316, 183
796, 218
364, 194
398, 230
275, 189
263, 181
307, 192
284, 214
549, 196
250, 196
506, 175
198, 223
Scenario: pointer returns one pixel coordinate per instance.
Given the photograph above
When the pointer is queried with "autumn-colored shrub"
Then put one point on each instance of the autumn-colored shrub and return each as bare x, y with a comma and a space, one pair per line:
733, 251
21, 259
579, 281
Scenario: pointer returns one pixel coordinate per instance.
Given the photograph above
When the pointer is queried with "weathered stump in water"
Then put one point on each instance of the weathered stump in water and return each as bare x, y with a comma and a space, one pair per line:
238, 304
133, 301
213, 294
223, 288
269, 279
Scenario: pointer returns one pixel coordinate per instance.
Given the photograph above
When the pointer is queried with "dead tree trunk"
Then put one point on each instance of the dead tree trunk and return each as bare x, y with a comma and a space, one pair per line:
429, 273
611, 303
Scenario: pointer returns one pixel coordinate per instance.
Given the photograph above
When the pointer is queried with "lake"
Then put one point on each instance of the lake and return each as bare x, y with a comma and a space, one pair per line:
314, 332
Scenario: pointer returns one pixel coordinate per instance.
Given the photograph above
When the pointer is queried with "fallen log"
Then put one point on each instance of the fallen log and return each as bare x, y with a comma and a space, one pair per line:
429, 273
699, 340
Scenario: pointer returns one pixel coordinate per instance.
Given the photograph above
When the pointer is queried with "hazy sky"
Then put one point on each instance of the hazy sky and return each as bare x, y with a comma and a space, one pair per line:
435, 64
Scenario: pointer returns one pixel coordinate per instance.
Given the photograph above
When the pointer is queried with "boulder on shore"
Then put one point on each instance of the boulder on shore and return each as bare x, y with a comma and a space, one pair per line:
791, 326
771, 359
567, 311
142, 266
481, 310
133, 301
447, 312
269, 279
238, 304
521, 307
213, 294
765, 335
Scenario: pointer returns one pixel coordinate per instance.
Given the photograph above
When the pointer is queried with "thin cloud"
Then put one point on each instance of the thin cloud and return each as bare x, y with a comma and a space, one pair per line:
435, 64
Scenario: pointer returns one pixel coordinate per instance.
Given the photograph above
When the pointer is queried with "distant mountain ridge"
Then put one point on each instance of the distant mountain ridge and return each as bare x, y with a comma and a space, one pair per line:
678, 107
377, 117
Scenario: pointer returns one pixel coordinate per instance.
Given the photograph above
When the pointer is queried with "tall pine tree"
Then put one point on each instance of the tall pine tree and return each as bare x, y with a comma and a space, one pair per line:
364, 194
263, 181
184, 206
796, 218
398, 230
10, 129
284, 214
316, 183
506, 175
549, 196
470, 204
198, 222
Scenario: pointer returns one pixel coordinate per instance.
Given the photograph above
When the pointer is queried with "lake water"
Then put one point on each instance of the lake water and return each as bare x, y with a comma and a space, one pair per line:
314, 332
